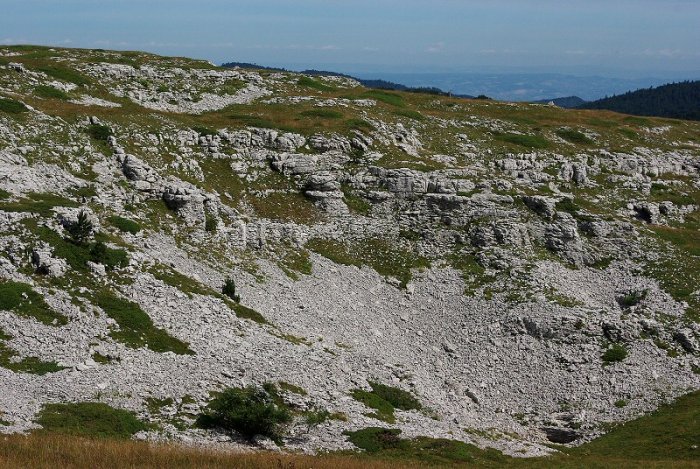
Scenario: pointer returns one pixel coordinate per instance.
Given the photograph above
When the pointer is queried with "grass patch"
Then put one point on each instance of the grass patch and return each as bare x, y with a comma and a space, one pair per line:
179, 281
4, 194
22, 300
10, 106
99, 132
314, 84
632, 298
285, 207
527, 141
385, 400
244, 312
385, 97
574, 136
31, 365
41, 204
124, 224
136, 329
358, 124
379, 254
415, 115
92, 419
49, 92
322, 114
65, 74
294, 389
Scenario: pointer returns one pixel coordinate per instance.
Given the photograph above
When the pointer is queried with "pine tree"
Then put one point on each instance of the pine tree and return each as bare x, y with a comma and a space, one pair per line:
81, 230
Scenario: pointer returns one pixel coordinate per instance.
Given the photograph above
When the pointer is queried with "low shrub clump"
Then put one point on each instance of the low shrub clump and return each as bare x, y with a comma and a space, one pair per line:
614, 354
385, 400
49, 92
527, 141
124, 224
10, 106
21, 299
249, 411
632, 298
90, 419
574, 136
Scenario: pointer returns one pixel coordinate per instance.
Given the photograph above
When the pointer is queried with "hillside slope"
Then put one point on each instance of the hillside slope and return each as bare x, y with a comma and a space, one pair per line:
677, 100
527, 274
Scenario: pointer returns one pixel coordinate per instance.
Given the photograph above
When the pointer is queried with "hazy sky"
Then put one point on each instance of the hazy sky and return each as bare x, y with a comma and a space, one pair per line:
613, 37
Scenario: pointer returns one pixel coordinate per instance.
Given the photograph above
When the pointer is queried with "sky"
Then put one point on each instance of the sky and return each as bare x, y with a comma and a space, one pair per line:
621, 38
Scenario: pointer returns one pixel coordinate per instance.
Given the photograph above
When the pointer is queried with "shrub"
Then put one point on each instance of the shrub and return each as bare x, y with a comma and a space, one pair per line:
229, 289
10, 106
385, 400
250, 411
110, 258
574, 136
210, 224
314, 84
81, 230
99, 132
632, 298
124, 224
616, 353
91, 419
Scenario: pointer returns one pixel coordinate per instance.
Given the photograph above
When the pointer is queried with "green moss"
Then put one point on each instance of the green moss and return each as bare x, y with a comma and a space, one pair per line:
22, 300
124, 224
90, 419
379, 254
136, 329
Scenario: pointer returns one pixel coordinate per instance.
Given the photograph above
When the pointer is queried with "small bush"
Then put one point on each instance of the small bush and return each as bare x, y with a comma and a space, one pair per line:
90, 419
250, 411
49, 92
574, 136
99, 132
4, 194
124, 224
210, 224
385, 399
110, 258
229, 289
632, 298
81, 230
201, 130
614, 354
621, 403
10, 106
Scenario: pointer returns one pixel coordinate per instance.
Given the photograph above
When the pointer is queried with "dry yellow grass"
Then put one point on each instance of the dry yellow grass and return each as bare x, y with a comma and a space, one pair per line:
67, 452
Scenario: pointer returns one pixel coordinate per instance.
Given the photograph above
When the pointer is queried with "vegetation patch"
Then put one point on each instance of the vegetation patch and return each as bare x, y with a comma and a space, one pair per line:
99, 132
249, 411
379, 254
415, 115
90, 419
10, 106
574, 136
286, 207
65, 74
385, 400
322, 114
528, 141
314, 84
385, 97
41, 204
22, 300
616, 353
124, 224
136, 329
632, 298
49, 92
31, 365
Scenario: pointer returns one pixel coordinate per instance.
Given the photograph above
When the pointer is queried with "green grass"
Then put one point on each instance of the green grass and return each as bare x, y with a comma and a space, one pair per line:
415, 115
182, 282
124, 224
10, 106
314, 84
90, 419
379, 254
22, 300
4, 194
358, 124
357, 204
136, 329
528, 141
286, 207
322, 114
99, 132
65, 74
41, 204
574, 136
49, 92
386, 97
388, 444
244, 312
294, 389
385, 400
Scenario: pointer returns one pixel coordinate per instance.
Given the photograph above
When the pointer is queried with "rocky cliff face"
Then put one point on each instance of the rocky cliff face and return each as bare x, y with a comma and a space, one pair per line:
529, 274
